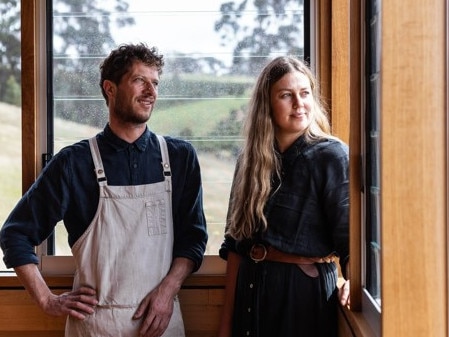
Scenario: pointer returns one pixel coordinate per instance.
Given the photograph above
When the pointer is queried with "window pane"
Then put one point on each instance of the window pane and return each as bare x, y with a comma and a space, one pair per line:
373, 134
10, 111
209, 72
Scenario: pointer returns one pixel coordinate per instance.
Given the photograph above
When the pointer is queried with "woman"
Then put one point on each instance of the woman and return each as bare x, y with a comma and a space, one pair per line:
288, 213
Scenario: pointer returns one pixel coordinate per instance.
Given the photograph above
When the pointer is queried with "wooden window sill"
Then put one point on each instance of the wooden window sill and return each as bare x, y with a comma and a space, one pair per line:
357, 322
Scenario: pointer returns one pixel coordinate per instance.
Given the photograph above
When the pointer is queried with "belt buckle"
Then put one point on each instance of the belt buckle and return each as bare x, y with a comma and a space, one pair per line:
255, 252
327, 259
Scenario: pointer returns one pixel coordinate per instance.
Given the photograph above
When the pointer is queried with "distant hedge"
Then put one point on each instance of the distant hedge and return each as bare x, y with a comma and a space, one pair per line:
78, 98
194, 86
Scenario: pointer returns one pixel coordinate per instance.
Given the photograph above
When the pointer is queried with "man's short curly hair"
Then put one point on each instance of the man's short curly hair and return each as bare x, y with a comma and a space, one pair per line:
120, 60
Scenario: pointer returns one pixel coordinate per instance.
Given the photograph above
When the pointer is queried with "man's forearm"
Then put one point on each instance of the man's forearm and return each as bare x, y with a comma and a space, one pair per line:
78, 303
33, 282
180, 269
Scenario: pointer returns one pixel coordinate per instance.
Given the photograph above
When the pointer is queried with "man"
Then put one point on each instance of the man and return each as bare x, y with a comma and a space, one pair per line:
132, 205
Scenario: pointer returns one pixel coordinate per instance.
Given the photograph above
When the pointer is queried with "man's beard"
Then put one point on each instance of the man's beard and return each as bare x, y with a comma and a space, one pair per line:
127, 115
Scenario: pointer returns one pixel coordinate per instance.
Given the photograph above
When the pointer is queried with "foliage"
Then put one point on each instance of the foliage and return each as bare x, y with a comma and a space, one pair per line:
191, 86
9, 43
181, 63
228, 130
275, 29
77, 95
81, 28
13, 93
82, 37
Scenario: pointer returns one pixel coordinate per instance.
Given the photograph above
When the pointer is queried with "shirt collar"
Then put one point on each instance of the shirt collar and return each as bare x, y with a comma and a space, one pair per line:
294, 149
120, 145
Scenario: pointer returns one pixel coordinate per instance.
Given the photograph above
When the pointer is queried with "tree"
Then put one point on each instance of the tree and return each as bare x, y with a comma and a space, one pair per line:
81, 38
183, 63
259, 29
81, 28
9, 44
12, 92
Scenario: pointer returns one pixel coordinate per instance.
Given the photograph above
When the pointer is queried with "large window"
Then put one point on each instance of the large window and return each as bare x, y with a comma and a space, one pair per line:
213, 50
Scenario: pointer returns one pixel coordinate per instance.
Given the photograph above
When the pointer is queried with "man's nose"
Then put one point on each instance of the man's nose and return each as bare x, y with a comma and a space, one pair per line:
150, 87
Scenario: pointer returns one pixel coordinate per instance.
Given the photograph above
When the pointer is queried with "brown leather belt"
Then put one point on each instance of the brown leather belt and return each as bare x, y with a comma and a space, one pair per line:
260, 252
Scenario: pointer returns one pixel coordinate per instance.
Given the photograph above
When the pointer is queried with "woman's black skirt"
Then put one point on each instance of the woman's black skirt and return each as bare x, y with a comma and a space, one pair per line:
280, 300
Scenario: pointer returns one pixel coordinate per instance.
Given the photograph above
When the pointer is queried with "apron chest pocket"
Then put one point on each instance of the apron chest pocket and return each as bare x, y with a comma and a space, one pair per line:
156, 217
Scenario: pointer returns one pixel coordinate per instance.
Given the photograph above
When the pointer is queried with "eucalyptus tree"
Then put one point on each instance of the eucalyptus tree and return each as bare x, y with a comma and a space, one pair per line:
259, 29
81, 36
9, 48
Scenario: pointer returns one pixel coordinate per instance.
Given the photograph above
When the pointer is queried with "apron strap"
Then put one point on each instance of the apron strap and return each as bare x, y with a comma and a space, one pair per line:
165, 161
99, 170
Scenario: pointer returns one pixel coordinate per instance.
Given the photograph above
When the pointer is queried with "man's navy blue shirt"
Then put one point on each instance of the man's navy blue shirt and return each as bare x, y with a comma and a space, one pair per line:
67, 190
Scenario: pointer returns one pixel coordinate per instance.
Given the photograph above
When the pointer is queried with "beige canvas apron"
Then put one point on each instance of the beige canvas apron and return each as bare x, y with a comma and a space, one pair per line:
125, 253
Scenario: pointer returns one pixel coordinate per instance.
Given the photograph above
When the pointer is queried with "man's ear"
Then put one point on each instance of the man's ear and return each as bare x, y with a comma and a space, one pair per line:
109, 87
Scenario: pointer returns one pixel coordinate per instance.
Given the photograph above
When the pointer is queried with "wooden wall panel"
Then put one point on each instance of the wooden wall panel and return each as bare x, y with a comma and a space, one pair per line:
340, 66
333, 61
19, 316
201, 300
201, 309
414, 172
323, 52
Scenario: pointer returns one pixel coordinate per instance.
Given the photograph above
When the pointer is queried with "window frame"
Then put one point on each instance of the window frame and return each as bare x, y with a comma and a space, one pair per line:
348, 34
370, 307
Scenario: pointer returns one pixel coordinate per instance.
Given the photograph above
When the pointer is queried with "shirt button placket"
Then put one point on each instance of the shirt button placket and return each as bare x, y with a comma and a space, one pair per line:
133, 160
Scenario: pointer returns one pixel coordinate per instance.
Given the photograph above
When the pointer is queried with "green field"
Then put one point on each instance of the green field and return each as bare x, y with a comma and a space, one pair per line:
200, 117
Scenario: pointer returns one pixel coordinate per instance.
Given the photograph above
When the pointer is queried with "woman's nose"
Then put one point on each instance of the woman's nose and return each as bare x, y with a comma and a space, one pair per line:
297, 101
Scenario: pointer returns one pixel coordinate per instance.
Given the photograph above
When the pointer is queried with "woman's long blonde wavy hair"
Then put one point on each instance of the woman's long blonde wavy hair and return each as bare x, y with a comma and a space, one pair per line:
258, 162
